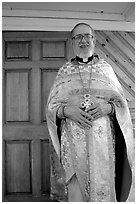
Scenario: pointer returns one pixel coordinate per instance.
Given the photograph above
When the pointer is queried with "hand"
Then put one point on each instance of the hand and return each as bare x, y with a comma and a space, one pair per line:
80, 117
98, 110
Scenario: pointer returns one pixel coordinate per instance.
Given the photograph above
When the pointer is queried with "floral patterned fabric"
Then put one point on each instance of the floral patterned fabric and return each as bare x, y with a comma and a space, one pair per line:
89, 154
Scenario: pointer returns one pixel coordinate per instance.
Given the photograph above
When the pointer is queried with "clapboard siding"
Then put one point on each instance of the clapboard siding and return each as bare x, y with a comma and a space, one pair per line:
118, 49
115, 48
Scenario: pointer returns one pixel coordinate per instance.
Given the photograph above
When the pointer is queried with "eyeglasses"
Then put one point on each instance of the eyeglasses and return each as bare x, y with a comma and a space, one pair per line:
86, 36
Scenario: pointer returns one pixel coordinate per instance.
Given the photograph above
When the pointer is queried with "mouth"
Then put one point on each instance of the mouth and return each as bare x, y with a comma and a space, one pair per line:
83, 46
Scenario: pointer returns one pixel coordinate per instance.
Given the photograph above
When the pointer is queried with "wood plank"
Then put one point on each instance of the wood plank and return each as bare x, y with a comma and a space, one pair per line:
62, 14
31, 35
35, 84
45, 64
131, 104
115, 48
35, 98
27, 132
27, 198
36, 167
128, 38
122, 43
42, 24
132, 35
129, 12
117, 70
17, 167
48, 78
45, 166
115, 60
3, 170
68, 6
109, 59
126, 86
116, 51
36, 49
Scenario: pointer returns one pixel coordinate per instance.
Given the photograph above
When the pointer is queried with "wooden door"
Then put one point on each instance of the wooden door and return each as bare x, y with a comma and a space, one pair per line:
30, 63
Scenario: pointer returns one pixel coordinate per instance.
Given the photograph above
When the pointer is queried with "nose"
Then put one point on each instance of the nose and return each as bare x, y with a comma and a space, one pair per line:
83, 38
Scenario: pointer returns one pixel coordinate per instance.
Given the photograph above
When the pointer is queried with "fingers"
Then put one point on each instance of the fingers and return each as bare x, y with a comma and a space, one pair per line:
78, 117
82, 124
87, 116
79, 124
93, 112
92, 107
85, 123
96, 116
84, 119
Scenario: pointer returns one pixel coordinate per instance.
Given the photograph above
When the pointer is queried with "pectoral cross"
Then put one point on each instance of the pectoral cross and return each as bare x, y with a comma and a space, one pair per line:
86, 103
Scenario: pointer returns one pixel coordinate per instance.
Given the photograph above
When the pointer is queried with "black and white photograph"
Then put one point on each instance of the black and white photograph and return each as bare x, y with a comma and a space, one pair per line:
68, 101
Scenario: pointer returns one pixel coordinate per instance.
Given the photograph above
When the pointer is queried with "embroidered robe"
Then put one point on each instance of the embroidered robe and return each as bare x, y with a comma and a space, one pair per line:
101, 157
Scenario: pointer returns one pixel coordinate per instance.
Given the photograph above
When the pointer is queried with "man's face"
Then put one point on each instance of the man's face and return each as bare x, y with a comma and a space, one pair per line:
83, 42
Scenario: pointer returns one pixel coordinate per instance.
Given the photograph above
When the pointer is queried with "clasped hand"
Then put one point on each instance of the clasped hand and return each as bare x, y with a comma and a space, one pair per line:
83, 118
98, 110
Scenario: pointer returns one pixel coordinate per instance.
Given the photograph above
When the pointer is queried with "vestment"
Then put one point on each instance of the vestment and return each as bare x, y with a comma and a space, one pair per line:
97, 156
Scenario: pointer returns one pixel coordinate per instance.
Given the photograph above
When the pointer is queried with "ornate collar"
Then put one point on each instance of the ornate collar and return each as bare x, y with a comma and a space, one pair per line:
94, 58
89, 59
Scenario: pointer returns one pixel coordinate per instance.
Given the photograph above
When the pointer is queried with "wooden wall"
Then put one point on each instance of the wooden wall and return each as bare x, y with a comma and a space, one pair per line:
118, 48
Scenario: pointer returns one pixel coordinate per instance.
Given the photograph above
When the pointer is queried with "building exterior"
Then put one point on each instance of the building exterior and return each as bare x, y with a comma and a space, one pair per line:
35, 44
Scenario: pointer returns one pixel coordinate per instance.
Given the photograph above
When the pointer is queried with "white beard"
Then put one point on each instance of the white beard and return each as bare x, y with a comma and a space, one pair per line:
85, 55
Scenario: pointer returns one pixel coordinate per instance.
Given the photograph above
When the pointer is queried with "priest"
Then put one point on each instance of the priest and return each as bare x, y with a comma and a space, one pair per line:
89, 123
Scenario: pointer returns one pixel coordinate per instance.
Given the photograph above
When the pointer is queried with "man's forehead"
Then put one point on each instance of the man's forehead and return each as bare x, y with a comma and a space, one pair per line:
82, 29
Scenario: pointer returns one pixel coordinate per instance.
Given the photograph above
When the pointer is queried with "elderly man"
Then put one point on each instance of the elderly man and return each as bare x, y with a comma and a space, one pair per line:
92, 146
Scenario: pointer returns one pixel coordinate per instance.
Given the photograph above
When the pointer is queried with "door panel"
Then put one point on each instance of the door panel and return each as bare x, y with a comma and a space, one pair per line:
48, 77
17, 50
18, 166
17, 96
55, 49
31, 62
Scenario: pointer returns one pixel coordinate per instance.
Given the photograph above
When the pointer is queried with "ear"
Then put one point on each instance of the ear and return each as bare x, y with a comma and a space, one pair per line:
94, 41
72, 43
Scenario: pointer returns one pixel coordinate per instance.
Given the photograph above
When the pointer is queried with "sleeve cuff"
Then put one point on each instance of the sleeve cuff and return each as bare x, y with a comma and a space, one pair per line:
60, 112
112, 108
